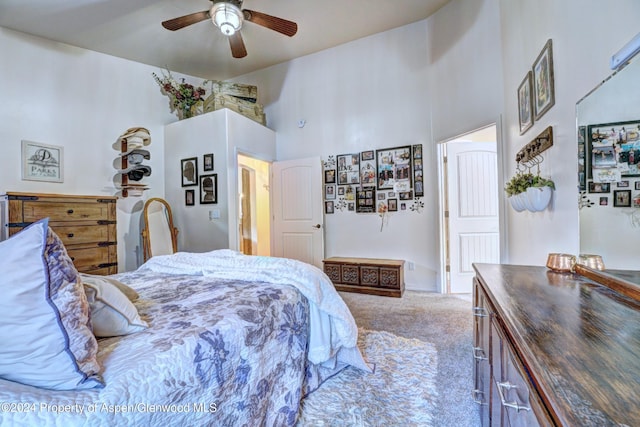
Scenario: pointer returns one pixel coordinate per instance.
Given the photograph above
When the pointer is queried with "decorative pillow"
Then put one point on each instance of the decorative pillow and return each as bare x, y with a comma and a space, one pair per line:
112, 314
129, 292
44, 315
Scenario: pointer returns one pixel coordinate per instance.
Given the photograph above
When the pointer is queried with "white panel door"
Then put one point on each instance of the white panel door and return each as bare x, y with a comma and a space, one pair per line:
297, 210
473, 191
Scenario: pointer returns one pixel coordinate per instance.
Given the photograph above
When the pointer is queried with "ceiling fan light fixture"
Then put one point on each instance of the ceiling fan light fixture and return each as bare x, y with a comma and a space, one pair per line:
227, 17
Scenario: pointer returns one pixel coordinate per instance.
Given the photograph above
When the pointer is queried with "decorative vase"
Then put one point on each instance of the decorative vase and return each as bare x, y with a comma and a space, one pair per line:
538, 197
517, 202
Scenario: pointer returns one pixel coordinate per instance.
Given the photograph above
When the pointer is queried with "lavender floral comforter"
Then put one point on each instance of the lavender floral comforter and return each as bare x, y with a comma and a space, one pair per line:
218, 352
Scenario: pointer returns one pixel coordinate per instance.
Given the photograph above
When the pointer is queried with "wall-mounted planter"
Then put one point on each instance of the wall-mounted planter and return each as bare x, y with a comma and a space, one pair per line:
534, 199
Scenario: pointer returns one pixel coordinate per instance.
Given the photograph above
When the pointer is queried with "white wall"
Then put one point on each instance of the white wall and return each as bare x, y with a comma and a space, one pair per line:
81, 100
380, 92
417, 84
225, 134
585, 34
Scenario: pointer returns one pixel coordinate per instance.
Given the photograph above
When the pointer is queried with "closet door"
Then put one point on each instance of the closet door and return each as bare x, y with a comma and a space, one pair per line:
298, 230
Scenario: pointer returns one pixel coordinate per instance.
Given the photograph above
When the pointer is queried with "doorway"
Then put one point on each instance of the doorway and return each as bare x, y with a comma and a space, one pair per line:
254, 206
469, 206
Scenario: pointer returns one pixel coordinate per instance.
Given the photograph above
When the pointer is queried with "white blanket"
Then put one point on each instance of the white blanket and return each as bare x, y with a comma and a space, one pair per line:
333, 332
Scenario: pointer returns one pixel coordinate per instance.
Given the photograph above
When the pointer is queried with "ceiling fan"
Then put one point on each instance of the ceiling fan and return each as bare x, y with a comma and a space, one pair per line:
228, 17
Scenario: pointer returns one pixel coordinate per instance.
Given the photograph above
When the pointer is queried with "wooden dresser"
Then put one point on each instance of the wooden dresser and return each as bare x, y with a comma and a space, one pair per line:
366, 275
85, 224
554, 349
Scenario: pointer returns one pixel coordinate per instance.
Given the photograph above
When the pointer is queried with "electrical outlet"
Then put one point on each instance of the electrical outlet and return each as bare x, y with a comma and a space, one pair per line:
412, 266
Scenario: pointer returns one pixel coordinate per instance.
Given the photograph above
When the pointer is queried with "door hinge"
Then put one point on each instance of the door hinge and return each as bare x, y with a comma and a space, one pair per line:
446, 214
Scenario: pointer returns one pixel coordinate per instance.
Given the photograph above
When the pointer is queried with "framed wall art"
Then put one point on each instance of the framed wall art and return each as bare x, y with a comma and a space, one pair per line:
42, 162
209, 189
329, 192
330, 176
613, 147
622, 198
393, 167
189, 197
189, 168
208, 162
328, 207
543, 89
348, 169
392, 204
525, 104
366, 200
599, 187
417, 171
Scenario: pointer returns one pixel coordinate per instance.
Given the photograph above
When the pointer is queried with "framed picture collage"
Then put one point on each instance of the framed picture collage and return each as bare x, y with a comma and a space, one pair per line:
373, 180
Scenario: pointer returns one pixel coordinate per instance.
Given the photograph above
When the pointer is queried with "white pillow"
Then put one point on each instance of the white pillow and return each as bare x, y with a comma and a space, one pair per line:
44, 315
112, 314
128, 291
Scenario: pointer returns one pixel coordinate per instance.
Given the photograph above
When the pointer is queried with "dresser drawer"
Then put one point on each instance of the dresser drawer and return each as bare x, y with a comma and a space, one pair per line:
79, 234
58, 211
89, 258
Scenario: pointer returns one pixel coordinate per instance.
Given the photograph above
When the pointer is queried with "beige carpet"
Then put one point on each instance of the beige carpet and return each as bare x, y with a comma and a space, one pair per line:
444, 321
401, 390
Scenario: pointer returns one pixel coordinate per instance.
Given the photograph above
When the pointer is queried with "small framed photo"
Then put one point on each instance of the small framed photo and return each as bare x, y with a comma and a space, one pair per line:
622, 198
525, 115
351, 206
330, 176
599, 187
189, 168
341, 190
622, 184
406, 195
328, 207
208, 162
367, 155
189, 197
403, 206
604, 201
329, 192
209, 189
381, 195
417, 151
543, 89
42, 162
637, 185
392, 204
348, 169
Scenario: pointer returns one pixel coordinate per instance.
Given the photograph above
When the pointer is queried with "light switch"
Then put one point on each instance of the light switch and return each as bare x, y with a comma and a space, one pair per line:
214, 214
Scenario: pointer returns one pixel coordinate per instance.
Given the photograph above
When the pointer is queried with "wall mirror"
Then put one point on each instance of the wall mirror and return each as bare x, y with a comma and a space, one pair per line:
159, 236
609, 222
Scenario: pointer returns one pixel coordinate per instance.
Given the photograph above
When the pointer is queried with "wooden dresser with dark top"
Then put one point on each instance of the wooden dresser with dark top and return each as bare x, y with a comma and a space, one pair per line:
85, 224
555, 349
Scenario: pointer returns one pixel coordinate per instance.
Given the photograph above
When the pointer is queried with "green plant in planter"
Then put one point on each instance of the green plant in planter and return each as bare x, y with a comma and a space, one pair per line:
521, 181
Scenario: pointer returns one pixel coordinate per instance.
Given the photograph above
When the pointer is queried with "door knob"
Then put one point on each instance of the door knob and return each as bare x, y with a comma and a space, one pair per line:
316, 226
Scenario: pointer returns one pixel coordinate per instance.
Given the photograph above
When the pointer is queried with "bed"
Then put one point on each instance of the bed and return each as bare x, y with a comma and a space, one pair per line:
212, 339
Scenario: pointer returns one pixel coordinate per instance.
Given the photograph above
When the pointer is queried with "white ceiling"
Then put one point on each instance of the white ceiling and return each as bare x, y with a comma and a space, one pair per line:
131, 29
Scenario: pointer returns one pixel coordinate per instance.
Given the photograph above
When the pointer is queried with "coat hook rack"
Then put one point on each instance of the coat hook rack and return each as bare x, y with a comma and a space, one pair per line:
534, 148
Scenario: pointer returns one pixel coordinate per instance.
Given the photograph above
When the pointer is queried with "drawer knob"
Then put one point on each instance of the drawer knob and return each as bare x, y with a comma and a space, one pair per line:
70, 211
70, 235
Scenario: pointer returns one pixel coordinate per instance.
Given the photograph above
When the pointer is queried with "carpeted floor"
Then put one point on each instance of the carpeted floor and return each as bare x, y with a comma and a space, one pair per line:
401, 390
445, 322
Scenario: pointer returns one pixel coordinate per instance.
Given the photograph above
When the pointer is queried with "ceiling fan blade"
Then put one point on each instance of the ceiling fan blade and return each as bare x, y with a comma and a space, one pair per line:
288, 28
237, 45
185, 21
